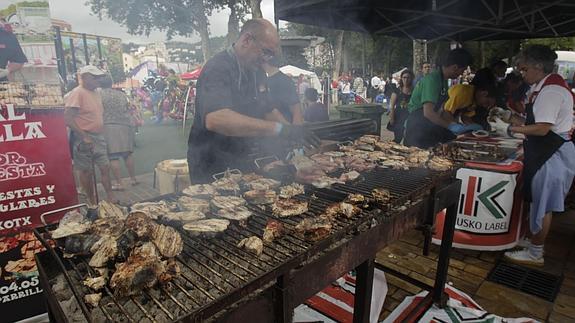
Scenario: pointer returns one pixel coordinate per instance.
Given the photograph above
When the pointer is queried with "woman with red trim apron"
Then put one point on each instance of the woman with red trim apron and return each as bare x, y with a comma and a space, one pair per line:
549, 163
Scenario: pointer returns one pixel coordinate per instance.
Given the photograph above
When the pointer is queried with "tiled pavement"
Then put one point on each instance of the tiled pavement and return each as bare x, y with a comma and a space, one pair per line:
467, 271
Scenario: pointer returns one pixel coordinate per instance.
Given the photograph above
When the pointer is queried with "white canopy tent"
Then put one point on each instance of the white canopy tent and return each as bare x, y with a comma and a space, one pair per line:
295, 72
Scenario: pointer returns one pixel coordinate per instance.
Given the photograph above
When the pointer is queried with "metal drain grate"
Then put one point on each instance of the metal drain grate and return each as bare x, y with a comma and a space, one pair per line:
527, 280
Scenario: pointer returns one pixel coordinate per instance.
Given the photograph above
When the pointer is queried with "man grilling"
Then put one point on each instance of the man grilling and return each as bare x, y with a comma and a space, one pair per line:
232, 105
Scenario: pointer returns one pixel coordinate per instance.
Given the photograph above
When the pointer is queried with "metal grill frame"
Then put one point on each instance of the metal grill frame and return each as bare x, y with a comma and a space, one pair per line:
315, 258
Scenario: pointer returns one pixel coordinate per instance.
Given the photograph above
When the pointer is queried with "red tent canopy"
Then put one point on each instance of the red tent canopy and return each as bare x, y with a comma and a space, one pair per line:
193, 75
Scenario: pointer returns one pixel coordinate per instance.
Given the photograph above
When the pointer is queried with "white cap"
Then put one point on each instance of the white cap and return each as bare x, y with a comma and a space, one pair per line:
91, 69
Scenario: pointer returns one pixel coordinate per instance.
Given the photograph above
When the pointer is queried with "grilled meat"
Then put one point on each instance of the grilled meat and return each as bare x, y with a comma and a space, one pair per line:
73, 222
107, 209
246, 178
291, 190
355, 199
314, 229
30, 248
104, 250
95, 283
268, 168
141, 224
168, 241
200, 190
80, 244
237, 213
171, 271
140, 271
349, 176
368, 139
252, 244
262, 184
342, 209
153, 209
439, 164
126, 243
107, 226
334, 153
183, 217
260, 197
366, 147
325, 181
327, 163
193, 204
418, 158
284, 208
208, 227
273, 230
22, 266
93, 299
381, 195
226, 186
309, 175
226, 202
8, 243
359, 164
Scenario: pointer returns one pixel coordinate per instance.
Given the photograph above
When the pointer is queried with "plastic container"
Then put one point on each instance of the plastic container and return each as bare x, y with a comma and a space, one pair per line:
171, 176
362, 111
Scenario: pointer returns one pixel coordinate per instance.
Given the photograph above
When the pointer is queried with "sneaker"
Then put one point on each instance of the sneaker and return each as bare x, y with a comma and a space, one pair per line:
524, 258
523, 243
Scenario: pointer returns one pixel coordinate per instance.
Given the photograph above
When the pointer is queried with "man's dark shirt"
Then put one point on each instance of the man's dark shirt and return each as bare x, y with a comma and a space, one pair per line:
283, 94
224, 85
316, 112
10, 50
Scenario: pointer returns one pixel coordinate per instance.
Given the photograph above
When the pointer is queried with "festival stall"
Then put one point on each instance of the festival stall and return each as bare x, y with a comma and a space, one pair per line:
35, 164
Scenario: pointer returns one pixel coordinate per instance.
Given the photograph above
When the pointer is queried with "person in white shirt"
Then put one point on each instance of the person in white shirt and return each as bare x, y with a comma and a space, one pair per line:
549, 162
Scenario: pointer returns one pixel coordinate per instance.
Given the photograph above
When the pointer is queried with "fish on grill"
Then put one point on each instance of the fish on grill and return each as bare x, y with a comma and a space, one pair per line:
262, 184
72, 223
226, 202
153, 209
291, 190
258, 197
141, 224
252, 244
208, 227
439, 164
314, 229
236, 213
200, 190
226, 186
93, 299
381, 195
349, 176
107, 226
95, 283
183, 217
107, 209
284, 208
193, 204
103, 251
171, 271
273, 230
126, 242
168, 241
141, 270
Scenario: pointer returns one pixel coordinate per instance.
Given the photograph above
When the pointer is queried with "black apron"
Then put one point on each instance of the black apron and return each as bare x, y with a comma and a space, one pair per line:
422, 133
537, 150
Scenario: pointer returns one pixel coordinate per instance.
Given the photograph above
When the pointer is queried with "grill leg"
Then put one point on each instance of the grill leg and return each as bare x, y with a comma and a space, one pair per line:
444, 253
363, 291
283, 312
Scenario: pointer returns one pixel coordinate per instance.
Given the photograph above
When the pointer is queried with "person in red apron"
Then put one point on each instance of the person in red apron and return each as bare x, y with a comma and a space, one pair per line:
549, 163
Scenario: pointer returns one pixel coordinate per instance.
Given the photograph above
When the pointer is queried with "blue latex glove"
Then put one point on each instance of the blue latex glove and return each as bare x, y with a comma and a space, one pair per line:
458, 128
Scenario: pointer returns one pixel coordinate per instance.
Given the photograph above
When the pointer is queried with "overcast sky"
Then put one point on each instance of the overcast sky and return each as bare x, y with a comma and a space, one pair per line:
83, 21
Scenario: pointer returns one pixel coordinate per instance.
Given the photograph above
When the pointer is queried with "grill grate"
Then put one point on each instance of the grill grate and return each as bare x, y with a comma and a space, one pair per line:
527, 280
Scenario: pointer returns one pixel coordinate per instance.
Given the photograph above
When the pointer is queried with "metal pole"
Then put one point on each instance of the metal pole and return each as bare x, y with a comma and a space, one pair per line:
99, 44
73, 53
443, 259
86, 53
60, 57
363, 291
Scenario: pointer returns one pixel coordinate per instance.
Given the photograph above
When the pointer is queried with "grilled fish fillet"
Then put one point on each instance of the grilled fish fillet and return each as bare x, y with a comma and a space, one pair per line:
260, 197
238, 213
208, 226
168, 241
107, 209
263, 184
104, 250
284, 208
95, 283
141, 224
194, 204
140, 271
184, 216
153, 209
200, 190
226, 202
93, 299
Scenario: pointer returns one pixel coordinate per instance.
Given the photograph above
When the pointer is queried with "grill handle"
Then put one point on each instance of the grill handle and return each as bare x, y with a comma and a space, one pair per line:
217, 176
63, 269
68, 208
258, 161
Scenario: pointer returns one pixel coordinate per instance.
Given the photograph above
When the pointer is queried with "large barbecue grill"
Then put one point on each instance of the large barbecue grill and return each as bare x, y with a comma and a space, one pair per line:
217, 276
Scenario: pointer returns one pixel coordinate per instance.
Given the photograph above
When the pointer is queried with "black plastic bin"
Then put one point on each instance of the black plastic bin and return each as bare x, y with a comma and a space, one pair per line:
362, 111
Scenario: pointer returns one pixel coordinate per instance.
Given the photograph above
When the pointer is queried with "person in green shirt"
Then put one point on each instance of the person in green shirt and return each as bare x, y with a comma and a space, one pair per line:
425, 126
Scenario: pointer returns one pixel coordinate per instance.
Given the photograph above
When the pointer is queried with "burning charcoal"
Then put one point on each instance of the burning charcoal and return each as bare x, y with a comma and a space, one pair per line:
80, 244
252, 244
126, 243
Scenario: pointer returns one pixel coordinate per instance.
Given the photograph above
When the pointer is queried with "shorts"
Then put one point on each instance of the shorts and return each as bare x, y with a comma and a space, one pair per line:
120, 155
84, 156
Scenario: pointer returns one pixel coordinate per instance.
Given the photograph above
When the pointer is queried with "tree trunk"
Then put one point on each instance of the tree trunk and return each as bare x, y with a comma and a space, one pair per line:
338, 54
203, 29
419, 52
233, 23
256, 9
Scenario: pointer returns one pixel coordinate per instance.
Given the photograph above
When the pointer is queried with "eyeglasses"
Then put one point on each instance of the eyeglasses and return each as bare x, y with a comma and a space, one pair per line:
267, 53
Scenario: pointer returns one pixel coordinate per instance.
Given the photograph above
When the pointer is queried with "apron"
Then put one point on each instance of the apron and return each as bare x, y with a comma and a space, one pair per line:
538, 149
422, 133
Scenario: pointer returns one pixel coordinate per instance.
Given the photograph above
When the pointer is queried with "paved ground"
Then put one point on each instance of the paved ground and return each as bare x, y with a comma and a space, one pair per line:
468, 269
